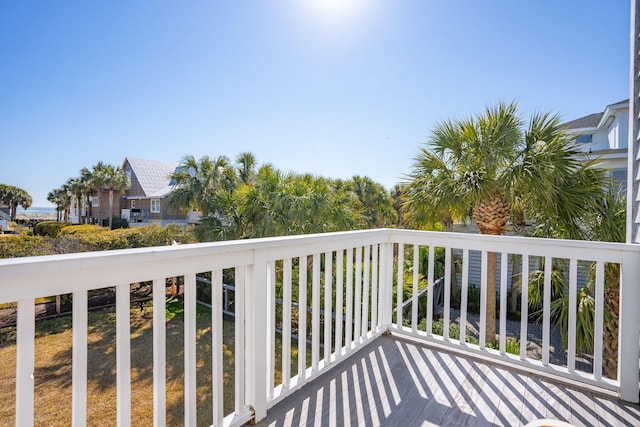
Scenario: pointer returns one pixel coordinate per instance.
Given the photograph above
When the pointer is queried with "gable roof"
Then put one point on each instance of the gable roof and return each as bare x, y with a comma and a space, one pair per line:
152, 175
590, 121
593, 121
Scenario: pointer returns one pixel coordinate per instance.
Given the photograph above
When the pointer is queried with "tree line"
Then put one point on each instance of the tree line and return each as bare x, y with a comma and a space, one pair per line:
241, 200
100, 178
13, 197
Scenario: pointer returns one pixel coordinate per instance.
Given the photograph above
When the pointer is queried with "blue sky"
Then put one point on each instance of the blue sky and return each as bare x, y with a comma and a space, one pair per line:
334, 88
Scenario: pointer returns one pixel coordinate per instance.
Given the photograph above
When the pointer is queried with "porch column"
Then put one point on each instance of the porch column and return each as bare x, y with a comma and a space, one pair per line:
628, 349
633, 160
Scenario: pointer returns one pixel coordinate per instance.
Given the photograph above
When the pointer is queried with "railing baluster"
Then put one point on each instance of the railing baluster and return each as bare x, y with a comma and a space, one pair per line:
386, 285
79, 361
328, 290
447, 293
430, 290
573, 297
302, 319
348, 333
25, 341
546, 310
365, 291
286, 322
504, 266
524, 306
271, 326
190, 357
599, 322
159, 352
240, 331
357, 329
374, 289
339, 300
123, 355
464, 296
414, 289
400, 280
315, 313
217, 370
484, 297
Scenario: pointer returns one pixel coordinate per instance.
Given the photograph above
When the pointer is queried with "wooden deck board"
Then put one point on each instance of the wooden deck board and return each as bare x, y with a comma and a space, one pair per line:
398, 382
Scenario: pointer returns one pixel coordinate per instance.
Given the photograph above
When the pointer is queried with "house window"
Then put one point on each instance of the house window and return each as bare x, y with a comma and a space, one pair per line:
95, 201
133, 204
584, 139
155, 205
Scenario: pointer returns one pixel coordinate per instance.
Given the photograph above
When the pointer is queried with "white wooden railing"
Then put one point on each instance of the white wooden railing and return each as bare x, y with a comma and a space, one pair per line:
349, 280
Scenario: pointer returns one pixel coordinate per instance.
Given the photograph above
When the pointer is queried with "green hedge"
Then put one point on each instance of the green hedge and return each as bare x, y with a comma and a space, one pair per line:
49, 228
78, 229
15, 246
85, 238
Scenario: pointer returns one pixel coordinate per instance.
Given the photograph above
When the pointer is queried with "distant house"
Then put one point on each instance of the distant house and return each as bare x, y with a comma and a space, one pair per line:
146, 201
604, 135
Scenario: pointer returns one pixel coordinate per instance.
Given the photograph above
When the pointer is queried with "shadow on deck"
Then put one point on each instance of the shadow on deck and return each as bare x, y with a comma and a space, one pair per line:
397, 382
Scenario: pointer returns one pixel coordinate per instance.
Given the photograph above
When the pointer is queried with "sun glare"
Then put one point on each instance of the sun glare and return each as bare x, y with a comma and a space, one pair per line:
333, 11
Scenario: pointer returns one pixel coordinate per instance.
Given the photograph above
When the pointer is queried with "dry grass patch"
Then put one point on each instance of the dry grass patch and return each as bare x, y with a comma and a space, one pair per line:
53, 369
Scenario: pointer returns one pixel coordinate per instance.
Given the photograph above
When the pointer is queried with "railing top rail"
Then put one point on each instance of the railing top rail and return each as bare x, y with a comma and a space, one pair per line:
56, 274
580, 249
32, 277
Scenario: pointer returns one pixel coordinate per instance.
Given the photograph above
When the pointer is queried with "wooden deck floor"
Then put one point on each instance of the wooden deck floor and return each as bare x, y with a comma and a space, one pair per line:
396, 382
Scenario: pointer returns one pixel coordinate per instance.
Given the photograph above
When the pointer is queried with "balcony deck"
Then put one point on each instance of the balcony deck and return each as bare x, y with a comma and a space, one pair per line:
349, 370
394, 381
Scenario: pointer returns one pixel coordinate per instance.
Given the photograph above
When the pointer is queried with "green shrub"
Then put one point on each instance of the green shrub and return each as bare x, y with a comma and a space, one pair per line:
77, 229
119, 223
15, 246
83, 238
49, 228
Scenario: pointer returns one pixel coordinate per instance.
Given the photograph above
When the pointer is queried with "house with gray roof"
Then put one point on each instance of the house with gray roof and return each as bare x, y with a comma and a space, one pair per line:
146, 201
604, 136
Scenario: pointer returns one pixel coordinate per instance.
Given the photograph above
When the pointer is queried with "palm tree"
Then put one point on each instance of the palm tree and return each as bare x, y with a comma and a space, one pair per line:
76, 191
287, 204
246, 167
605, 222
375, 199
60, 198
491, 166
195, 181
99, 179
13, 197
114, 179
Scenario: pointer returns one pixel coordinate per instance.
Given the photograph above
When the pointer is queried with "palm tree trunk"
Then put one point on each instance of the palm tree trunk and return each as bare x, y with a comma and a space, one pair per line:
611, 323
110, 208
99, 207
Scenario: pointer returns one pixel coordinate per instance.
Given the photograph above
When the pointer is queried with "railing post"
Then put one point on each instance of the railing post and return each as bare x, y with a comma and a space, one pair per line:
386, 285
629, 329
256, 336
25, 351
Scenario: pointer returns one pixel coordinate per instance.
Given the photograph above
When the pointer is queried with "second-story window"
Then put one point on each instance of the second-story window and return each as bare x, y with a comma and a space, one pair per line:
155, 205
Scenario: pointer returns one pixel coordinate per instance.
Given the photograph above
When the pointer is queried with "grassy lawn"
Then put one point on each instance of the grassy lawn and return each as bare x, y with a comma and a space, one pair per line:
53, 349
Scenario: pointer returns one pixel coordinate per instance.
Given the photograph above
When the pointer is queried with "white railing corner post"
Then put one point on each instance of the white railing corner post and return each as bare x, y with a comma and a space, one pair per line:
386, 285
26, 330
256, 336
629, 329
